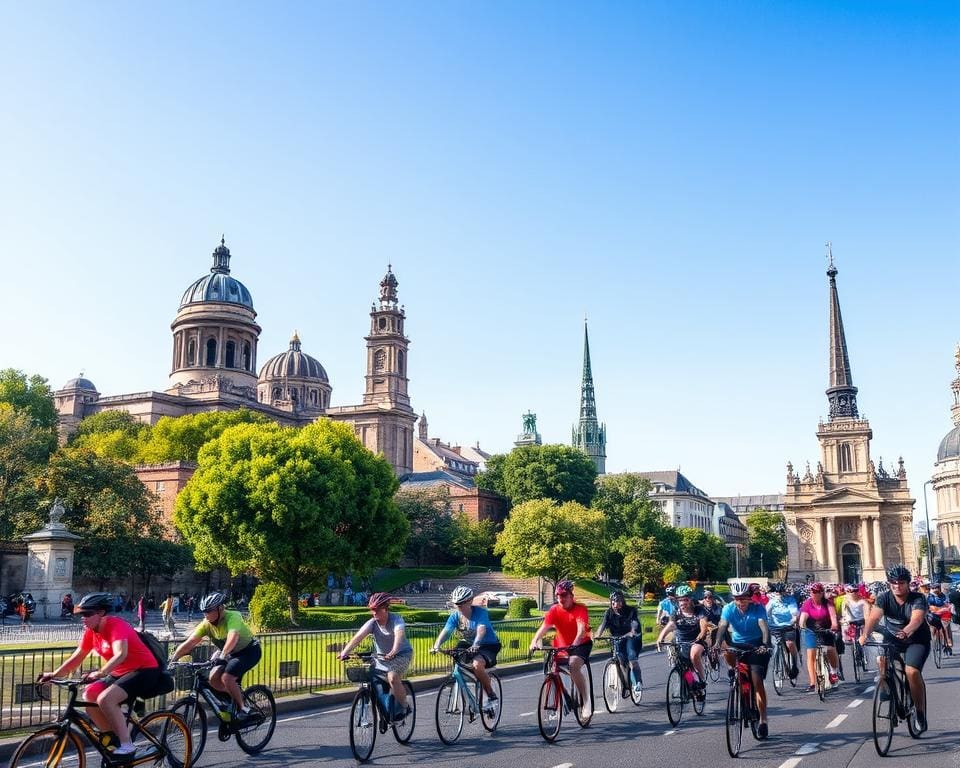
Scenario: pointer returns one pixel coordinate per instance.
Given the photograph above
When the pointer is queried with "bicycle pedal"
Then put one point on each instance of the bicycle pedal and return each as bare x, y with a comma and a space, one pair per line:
223, 732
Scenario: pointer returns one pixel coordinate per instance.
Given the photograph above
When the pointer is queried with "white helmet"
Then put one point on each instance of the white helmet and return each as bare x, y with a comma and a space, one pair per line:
739, 588
461, 595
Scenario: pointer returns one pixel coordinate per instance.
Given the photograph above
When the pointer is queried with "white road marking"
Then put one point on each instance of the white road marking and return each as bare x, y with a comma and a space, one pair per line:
871, 689
793, 762
855, 703
670, 732
836, 721
527, 714
565, 765
808, 749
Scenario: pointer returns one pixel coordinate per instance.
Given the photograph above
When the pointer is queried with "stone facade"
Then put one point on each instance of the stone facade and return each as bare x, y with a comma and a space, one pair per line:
946, 480
683, 504
589, 435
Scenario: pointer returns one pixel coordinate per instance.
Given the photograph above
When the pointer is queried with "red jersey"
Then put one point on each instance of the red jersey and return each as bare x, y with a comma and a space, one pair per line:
111, 629
565, 623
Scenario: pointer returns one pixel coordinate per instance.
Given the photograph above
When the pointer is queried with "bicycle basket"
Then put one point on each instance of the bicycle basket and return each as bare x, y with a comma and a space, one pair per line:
358, 673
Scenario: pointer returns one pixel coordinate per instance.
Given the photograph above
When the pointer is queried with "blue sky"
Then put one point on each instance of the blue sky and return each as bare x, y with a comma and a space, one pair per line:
672, 170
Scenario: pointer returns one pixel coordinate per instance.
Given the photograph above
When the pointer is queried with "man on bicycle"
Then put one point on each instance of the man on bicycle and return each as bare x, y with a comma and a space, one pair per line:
239, 650
938, 616
782, 615
472, 623
904, 615
747, 624
571, 622
129, 671
624, 625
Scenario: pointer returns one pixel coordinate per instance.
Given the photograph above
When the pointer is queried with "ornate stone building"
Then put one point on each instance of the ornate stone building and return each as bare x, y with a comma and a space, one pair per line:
851, 519
213, 365
589, 435
946, 480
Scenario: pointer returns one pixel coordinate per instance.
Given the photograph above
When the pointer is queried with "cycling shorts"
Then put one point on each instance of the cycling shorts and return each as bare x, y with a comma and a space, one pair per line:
914, 653
582, 650
934, 621
139, 684
244, 661
488, 652
758, 662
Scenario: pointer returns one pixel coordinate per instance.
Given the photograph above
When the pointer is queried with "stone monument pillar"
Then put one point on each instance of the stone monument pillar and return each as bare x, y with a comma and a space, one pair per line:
50, 562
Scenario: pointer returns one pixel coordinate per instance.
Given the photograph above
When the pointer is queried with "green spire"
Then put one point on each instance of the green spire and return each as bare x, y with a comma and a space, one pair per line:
589, 435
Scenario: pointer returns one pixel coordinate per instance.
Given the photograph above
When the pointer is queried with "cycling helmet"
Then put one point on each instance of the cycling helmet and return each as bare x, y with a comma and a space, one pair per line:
379, 600
564, 587
95, 601
671, 590
461, 595
211, 601
898, 573
684, 591
617, 595
740, 588
924, 582
816, 587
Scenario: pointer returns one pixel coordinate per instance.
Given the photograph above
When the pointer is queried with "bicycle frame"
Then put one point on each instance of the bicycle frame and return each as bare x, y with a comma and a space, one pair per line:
466, 681
623, 668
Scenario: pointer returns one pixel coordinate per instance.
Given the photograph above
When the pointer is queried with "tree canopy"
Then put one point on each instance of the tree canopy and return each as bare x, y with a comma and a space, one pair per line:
767, 535
705, 556
291, 505
30, 395
427, 512
556, 472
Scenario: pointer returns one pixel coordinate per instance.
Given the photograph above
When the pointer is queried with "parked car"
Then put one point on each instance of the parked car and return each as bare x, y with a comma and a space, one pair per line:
493, 599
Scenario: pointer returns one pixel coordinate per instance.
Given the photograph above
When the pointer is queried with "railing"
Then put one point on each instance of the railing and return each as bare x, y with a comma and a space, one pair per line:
292, 662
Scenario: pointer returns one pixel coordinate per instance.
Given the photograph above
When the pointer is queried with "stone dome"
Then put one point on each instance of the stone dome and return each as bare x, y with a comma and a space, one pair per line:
950, 445
80, 383
218, 285
293, 364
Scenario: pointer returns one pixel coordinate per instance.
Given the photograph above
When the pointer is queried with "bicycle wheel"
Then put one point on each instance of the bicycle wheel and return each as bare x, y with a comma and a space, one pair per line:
195, 716
883, 717
449, 712
699, 699
937, 648
363, 725
779, 673
169, 730
676, 690
611, 686
713, 668
911, 709
49, 747
857, 653
490, 710
734, 722
550, 707
821, 677
403, 727
253, 736
636, 687
840, 673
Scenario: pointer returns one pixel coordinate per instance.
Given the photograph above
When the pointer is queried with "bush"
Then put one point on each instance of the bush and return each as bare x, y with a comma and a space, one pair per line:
270, 608
520, 608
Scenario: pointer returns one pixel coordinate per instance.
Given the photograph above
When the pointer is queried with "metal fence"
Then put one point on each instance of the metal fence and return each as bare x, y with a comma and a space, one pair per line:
292, 662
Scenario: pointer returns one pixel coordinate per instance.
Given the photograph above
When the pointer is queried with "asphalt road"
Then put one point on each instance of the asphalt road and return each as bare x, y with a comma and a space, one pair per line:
804, 732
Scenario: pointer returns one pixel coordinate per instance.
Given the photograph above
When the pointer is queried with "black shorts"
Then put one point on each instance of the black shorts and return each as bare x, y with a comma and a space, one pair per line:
488, 652
139, 684
243, 661
934, 621
758, 662
914, 653
582, 650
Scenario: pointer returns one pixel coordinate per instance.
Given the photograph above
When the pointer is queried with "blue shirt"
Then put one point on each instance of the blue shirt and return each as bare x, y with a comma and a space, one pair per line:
744, 627
668, 606
781, 613
935, 601
467, 628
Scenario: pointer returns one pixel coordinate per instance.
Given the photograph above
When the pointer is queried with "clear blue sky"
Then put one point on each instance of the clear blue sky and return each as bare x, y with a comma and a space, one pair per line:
670, 169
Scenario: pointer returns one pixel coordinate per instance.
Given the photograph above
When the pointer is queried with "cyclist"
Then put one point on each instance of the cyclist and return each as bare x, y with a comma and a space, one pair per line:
129, 671
472, 623
689, 625
819, 613
782, 615
904, 612
389, 634
747, 624
571, 622
712, 607
667, 606
938, 614
239, 651
623, 622
854, 610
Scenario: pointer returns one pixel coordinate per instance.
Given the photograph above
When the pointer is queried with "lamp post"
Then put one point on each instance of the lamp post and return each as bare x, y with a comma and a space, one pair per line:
926, 515
761, 562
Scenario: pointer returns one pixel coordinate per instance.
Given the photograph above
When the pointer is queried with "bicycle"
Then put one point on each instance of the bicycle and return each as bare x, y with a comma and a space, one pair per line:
712, 665
936, 644
781, 672
159, 737
461, 694
892, 700
681, 683
555, 700
857, 655
822, 671
741, 702
618, 682
373, 705
252, 735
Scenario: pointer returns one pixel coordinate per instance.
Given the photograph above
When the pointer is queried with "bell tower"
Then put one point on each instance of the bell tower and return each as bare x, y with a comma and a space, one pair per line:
387, 349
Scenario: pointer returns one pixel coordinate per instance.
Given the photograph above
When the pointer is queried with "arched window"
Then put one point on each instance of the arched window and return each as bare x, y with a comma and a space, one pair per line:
382, 323
313, 397
247, 358
191, 352
211, 353
231, 356
844, 461
400, 361
277, 393
379, 360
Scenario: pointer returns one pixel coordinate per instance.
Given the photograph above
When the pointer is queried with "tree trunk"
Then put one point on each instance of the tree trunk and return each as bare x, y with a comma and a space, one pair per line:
294, 605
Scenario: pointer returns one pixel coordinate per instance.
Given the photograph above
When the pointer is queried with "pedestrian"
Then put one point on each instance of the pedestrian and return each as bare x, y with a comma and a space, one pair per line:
142, 613
166, 612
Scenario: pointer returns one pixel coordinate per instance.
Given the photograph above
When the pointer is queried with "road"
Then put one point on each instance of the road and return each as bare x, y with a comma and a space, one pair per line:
804, 732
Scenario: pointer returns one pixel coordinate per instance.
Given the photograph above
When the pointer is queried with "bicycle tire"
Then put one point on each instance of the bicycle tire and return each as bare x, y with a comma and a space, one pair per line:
734, 722
169, 730
363, 725
937, 650
195, 716
37, 748
550, 708
491, 721
676, 690
713, 670
611, 686
779, 674
821, 673
254, 737
857, 652
636, 694
403, 728
699, 700
883, 718
448, 715
840, 673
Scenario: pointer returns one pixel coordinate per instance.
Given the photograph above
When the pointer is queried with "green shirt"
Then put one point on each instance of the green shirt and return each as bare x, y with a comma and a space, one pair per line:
232, 621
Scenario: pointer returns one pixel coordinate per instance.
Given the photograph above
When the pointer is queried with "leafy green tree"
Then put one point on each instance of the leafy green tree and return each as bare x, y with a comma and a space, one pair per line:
629, 514
641, 568
529, 472
471, 540
112, 434
181, 438
427, 512
542, 537
767, 536
291, 505
24, 450
705, 556
161, 558
32, 396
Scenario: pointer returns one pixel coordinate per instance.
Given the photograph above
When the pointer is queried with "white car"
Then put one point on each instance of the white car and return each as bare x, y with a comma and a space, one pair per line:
499, 598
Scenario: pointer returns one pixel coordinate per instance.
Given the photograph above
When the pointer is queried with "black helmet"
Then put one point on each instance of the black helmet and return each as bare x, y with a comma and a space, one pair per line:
616, 595
898, 573
211, 601
95, 601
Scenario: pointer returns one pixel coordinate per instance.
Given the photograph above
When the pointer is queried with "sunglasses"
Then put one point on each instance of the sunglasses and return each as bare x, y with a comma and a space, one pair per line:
898, 583
742, 597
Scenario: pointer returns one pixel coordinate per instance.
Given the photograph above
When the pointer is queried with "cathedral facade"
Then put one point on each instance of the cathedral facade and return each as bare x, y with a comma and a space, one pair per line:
852, 519
214, 368
946, 481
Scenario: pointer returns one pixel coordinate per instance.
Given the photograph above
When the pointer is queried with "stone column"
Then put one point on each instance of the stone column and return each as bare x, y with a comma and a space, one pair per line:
50, 563
868, 556
831, 544
877, 544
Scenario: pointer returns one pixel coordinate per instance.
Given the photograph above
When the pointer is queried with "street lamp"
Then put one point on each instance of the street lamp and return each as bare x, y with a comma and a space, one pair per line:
926, 515
761, 563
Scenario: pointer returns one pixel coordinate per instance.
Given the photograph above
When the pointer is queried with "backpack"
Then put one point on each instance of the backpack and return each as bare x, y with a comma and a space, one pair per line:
166, 683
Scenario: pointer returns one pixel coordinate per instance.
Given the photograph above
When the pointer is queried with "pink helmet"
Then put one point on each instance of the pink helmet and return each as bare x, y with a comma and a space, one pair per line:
564, 587
379, 600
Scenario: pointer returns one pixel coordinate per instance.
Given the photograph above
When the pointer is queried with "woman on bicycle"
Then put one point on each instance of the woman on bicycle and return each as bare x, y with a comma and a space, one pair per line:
390, 639
571, 622
472, 623
818, 614
689, 625
129, 671
853, 611
747, 623
782, 616
623, 622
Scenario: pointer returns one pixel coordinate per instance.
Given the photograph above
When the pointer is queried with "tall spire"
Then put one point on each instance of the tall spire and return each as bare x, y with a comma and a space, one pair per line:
588, 406
589, 435
841, 393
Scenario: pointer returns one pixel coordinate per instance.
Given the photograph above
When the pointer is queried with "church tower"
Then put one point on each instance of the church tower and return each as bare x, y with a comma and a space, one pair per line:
589, 435
851, 520
387, 349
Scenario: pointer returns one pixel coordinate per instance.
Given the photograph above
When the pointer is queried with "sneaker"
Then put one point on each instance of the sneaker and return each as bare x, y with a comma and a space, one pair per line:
123, 757
762, 731
637, 689
811, 689
922, 721
242, 718
834, 678
586, 711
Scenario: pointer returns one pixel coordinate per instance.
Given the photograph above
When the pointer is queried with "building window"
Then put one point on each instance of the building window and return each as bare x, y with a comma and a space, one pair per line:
379, 360
231, 355
460, 507
158, 486
191, 352
383, 323
400, 362
844, 462
211, 353
277, 393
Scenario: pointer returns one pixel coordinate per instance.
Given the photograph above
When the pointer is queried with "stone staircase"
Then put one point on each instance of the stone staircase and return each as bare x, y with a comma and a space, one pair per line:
495, 581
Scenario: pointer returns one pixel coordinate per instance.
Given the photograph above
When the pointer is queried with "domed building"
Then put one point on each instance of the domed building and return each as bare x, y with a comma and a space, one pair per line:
946, 480
294, 381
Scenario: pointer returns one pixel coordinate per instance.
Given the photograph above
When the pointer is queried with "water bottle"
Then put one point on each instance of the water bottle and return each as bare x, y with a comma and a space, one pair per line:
688, 676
